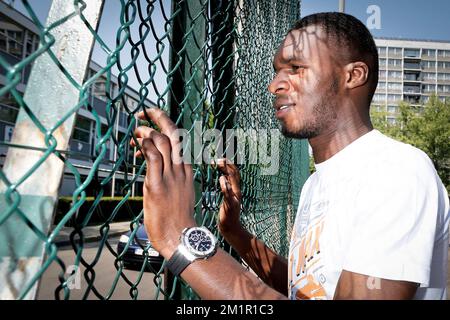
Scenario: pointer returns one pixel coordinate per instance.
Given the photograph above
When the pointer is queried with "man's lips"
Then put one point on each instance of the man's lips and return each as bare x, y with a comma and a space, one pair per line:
282, 105
281, 108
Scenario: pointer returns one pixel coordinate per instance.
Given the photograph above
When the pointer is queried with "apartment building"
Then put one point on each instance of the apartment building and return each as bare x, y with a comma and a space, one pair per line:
411, 70
18, 39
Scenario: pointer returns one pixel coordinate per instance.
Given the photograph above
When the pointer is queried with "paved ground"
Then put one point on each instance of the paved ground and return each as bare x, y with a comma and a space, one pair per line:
92, 233
105, 273
105, 270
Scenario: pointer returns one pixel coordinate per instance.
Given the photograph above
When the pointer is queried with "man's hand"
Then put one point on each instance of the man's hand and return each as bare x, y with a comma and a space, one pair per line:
168, 187
168, 209
231, 206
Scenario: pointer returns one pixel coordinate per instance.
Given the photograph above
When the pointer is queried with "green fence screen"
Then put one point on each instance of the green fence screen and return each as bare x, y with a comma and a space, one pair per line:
206, 62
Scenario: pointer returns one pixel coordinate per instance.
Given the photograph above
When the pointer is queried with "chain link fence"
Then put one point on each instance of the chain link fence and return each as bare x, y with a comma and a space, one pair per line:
206, 62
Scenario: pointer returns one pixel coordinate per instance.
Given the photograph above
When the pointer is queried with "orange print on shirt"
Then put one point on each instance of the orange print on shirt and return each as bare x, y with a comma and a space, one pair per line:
312, 290
308, 253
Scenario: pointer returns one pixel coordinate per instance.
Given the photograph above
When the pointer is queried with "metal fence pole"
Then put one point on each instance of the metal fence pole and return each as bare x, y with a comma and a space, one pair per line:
341, 5
188, 39
29, 188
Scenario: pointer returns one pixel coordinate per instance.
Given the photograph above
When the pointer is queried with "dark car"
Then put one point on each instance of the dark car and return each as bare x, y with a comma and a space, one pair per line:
134, 256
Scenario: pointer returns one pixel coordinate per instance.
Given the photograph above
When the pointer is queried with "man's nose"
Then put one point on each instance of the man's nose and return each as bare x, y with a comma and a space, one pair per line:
278, 85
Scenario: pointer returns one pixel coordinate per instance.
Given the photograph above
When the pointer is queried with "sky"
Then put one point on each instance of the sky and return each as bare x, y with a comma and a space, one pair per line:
412, 19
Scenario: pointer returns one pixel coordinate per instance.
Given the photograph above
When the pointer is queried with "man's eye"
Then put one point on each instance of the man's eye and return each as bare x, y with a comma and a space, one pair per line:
295, 68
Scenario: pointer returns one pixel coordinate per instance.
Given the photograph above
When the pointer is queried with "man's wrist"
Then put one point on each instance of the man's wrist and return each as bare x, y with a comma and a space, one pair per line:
169, 249
233, 235
171, 244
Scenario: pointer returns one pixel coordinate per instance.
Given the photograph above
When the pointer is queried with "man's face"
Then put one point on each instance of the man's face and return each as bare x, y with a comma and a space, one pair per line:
306, 83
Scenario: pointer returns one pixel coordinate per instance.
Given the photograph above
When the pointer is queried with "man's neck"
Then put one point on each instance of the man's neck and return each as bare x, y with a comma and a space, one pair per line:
331, 142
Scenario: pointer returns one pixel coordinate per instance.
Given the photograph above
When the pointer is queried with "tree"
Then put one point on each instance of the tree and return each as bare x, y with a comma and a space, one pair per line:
427, 128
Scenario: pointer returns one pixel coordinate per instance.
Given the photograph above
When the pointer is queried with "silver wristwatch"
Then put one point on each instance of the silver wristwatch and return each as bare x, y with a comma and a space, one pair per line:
195, 243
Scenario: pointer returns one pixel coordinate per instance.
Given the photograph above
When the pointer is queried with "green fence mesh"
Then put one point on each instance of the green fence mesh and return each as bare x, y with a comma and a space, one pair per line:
215, 61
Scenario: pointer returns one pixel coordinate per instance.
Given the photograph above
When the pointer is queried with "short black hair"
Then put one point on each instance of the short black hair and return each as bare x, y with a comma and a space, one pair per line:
349, 33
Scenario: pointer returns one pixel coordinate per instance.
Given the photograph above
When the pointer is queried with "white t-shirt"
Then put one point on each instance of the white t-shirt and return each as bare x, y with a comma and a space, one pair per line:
376, 208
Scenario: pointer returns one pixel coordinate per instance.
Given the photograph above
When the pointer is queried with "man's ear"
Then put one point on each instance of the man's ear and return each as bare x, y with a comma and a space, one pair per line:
357, 74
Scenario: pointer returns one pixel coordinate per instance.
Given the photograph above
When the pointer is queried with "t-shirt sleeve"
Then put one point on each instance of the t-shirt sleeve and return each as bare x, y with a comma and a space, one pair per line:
394, 223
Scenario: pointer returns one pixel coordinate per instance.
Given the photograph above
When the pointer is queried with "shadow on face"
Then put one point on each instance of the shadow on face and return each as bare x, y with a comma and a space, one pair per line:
307, 83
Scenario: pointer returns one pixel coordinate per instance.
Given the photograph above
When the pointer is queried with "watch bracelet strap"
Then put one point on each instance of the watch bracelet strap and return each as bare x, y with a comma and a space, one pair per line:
177, 263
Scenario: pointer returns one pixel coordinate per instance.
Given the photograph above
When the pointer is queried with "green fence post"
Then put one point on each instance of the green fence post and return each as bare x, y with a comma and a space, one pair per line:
29, 188
186, 102
223, 74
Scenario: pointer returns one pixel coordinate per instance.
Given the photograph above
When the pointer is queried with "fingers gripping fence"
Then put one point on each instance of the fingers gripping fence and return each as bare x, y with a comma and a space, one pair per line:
208, 64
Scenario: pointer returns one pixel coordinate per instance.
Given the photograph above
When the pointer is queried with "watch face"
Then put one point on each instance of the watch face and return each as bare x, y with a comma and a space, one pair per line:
200, 241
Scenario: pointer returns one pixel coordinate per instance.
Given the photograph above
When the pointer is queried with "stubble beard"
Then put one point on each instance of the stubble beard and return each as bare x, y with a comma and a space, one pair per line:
323, 114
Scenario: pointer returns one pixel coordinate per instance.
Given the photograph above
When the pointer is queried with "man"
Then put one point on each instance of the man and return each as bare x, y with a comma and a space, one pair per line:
372, 222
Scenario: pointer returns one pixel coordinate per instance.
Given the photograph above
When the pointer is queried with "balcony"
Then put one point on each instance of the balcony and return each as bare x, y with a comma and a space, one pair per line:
99, 106
412, 91
13, 60
428, 90
394, 54
412, 100
411, 77
428, 56
412, 53
441, 58
412, 66
80, 150
443, 69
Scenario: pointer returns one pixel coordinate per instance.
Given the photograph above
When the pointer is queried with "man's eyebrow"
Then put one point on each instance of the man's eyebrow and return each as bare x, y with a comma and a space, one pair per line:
294, 58
288, 60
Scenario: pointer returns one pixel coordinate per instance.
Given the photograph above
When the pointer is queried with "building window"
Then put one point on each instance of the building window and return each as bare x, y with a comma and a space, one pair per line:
443, 88
392, 109
123, 119
411, 65
104, 130
131, 103
394, 97
443, 76
425, 99
444, 53
32, 44
412, 53
395, 74
411, 89
395, 51
391, 120
429, 52
381, 51
428, 64
394, 86
82, 130
9, 100
443, 65
382, 62
395, 62
378, 97
8, 114
428, 87
381, 85
429, 76
99, 89
382, 74
411, 76
376, 107
11, 39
